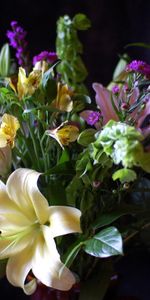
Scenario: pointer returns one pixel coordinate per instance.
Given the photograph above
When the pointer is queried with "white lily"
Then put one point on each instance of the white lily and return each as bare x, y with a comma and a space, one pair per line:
28, 227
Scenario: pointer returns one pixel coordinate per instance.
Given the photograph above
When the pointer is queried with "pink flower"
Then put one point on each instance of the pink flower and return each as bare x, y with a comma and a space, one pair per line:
103, 100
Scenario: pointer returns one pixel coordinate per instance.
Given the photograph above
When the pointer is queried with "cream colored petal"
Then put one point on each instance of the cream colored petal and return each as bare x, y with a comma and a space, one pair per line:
12, 220
3, 139
23, 190
17, 270
9, 246
51, 271
64, 220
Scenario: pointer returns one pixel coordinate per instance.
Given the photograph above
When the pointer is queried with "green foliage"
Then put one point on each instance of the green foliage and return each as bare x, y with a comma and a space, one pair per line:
69, 49
5, 61
86, 137
124, 175
123, 143
106, 243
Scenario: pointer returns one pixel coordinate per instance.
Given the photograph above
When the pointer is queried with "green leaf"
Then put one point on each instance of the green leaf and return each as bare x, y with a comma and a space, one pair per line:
81, 22
124, 175
106, 243
144, 45
3, 263
145, 162
65, 168
86, 137
108, 218
5, 60
64, 157
96, 286
71, 254
49, 83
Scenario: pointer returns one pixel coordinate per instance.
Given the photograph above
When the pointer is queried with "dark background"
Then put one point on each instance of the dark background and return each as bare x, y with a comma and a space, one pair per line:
114, 24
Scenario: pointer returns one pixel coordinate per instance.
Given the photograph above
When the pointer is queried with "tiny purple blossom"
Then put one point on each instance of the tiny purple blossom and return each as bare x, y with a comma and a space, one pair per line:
50, 57
90, 116
115, 89
139, 66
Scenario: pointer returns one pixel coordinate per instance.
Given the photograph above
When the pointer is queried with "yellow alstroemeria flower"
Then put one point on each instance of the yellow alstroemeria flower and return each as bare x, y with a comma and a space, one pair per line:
64, 134
63, 100
26, 86
8, 129
28, 226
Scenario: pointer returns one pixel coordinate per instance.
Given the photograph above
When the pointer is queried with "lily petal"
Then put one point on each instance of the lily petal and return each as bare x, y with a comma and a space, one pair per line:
103, 100
64, 220
47, 257
17, 270
12, 220
10, 246
23, 190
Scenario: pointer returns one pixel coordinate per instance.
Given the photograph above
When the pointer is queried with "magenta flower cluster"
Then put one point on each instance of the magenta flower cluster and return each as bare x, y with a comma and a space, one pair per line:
50, 57
17, 40
93, 117
139, 66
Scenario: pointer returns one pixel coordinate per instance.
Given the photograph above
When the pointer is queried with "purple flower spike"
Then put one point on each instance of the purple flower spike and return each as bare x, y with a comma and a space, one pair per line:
17, 41
50, 57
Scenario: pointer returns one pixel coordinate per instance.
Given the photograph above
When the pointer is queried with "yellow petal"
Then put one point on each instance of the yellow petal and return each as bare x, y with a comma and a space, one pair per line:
65, 104
64, 220
23, 190
10, 121
22, 81
8, 129
47, 257
17, 270
68, 134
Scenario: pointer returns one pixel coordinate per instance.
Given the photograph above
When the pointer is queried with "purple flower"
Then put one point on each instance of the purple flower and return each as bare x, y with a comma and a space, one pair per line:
90, 116
17, 41
50, 57
115, 89
139, 66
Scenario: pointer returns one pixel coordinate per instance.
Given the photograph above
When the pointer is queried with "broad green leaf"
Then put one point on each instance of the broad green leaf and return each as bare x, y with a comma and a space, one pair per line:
86, 137
124, 175
106, 243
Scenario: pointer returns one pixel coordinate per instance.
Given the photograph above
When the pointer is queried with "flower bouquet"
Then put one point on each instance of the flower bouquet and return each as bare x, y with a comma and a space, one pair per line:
74, 170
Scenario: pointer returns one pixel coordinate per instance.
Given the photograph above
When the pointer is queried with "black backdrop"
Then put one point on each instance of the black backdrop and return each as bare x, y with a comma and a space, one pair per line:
114, 24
